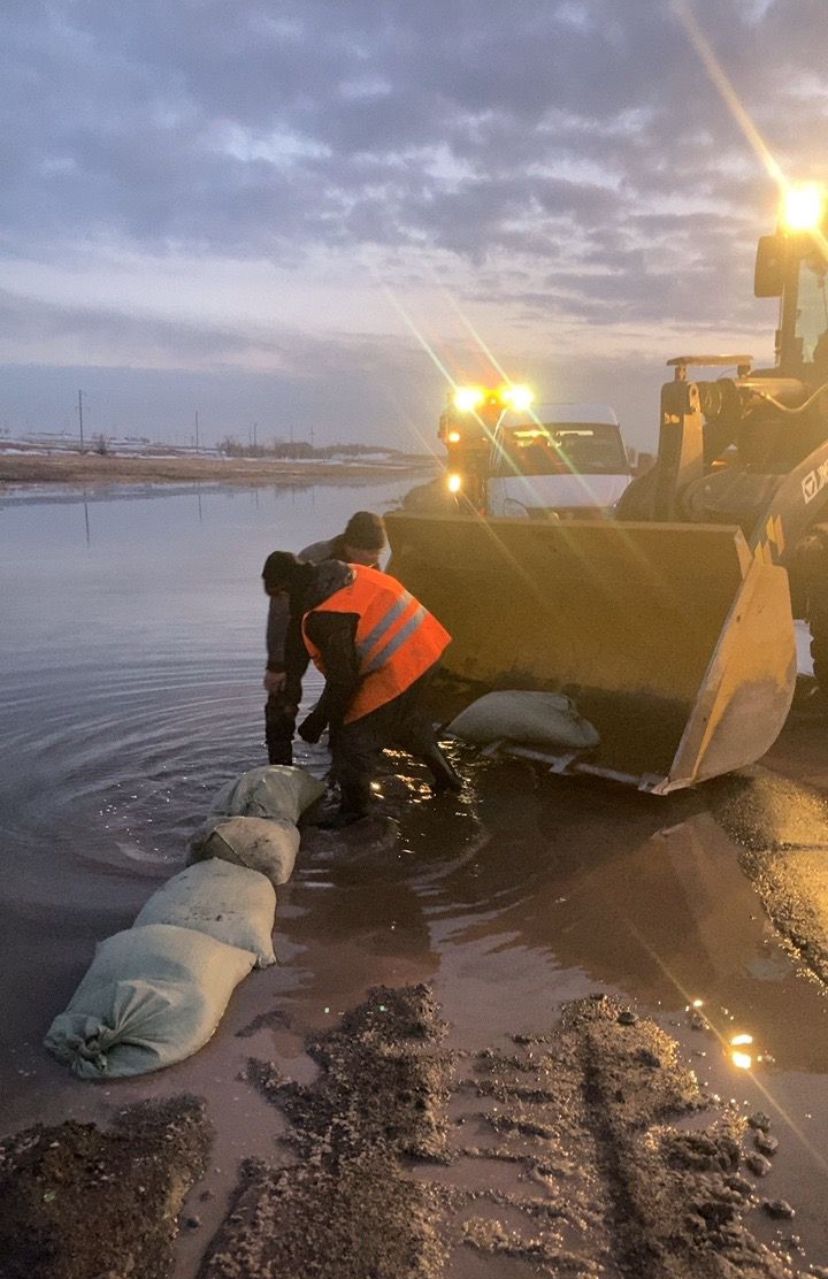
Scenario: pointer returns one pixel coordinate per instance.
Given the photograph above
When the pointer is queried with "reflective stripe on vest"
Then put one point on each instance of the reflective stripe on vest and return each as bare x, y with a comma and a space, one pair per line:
396, 640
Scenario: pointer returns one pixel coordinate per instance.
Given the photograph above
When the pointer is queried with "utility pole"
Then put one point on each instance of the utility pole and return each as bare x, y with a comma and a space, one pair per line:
196, 430
80, 417
255, 430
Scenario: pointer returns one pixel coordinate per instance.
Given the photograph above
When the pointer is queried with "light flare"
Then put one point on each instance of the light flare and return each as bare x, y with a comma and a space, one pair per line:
467, 398
518, 397
727, 92
803, 207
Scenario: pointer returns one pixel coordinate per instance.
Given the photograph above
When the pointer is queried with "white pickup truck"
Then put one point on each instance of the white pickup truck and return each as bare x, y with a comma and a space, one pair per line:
561, 458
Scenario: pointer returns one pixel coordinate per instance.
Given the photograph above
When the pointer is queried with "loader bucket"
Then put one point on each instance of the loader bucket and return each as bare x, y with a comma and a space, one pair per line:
672, 639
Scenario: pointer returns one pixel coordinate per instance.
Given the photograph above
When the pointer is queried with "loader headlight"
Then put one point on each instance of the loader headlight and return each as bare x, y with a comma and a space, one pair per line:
454, 437
467, 398
803, 207
454, 482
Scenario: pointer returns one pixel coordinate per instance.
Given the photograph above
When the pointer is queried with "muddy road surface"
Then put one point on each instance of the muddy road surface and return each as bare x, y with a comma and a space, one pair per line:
599, 1048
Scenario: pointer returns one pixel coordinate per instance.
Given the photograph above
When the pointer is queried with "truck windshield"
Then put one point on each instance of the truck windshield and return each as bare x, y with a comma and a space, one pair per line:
560, 449
812, 310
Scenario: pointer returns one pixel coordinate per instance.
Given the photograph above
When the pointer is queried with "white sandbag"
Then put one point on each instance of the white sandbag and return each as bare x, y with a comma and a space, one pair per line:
267, 845
232, 904
277, 790
151, 996
530, 718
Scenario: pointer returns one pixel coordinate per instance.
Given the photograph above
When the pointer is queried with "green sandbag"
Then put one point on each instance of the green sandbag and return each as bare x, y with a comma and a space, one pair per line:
530, 718
277, 790
151, 996
232, 904
265, 844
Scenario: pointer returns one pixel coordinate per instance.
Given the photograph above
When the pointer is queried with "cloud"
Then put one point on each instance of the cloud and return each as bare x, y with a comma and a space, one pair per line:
573, 155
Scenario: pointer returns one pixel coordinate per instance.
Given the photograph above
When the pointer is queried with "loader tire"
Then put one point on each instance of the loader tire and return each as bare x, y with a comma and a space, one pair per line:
637, 502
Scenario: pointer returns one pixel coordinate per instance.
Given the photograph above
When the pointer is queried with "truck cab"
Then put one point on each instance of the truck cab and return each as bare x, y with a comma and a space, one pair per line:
561, 460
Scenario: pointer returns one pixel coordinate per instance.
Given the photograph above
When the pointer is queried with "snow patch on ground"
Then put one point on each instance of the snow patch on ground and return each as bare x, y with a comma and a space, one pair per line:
804, 665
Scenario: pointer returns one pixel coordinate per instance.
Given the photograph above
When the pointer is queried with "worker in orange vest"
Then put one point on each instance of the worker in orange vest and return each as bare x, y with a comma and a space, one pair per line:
378, 649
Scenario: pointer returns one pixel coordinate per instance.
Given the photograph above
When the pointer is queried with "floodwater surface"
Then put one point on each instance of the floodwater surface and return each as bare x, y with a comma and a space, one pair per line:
132, 648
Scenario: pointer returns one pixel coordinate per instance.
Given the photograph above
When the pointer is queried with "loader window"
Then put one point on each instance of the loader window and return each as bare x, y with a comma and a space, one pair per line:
812, 312
560, 449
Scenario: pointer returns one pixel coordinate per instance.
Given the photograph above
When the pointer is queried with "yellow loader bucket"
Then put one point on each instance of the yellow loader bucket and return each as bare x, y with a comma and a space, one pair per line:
672, 639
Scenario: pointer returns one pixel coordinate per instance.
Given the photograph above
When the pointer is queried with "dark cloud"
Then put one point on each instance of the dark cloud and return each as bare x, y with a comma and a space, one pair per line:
241, 128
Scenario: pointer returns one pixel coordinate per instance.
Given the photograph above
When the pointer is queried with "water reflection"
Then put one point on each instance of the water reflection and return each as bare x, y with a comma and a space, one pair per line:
133, 691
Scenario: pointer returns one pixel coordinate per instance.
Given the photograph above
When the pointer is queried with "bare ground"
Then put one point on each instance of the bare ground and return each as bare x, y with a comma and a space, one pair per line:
78, 1202
94, 468
396, 1149
585, 1150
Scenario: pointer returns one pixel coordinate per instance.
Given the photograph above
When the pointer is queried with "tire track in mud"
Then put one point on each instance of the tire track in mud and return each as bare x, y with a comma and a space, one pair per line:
578, 1152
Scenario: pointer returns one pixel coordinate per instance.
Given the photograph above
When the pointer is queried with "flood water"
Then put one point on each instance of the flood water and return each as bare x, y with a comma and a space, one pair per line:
131, 642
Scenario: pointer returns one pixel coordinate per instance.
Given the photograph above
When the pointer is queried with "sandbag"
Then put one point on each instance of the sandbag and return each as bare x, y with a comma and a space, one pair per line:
228, 902
530, 718
152, 996
267, 845
276, 790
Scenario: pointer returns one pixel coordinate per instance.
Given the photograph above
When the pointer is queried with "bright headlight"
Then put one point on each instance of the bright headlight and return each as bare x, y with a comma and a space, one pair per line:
518, 397
454, 482
467, 398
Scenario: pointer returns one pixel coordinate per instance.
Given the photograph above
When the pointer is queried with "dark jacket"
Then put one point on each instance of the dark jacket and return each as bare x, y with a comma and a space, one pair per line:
278, 613
332, 633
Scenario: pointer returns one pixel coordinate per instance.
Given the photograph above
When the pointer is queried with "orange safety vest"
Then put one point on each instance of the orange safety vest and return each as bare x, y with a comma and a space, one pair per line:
397, 640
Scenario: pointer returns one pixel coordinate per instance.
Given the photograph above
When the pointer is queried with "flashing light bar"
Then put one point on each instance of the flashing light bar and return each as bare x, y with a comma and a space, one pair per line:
468, 398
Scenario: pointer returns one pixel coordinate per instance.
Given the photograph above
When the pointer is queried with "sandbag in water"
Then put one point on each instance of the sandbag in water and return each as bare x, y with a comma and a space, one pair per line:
525, 717
151, 997
266, 845
234, 905
275, 790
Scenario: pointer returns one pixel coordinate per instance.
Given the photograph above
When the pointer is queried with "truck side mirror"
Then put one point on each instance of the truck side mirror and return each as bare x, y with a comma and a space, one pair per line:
769, 276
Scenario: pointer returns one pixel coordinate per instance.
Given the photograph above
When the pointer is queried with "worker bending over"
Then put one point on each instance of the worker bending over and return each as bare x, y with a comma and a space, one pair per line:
362, 542
378, 649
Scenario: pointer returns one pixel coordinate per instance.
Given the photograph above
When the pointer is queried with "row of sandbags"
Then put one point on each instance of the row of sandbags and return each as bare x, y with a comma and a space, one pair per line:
155, 993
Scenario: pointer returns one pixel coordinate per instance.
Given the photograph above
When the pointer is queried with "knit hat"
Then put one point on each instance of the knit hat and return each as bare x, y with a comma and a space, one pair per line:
279, 570
365, 531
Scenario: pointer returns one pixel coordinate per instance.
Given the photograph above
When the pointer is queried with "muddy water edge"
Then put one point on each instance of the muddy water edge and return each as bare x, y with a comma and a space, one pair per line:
498, 918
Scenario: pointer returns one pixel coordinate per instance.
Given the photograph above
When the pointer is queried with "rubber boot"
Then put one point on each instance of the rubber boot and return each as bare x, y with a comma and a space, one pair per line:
445, 775
354, 804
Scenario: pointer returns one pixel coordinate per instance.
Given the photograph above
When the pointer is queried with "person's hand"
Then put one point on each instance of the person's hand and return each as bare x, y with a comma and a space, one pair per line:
274, 681
312, 727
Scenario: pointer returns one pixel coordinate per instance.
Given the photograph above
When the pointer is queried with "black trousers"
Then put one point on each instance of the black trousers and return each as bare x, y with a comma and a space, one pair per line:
280, 725
403, 722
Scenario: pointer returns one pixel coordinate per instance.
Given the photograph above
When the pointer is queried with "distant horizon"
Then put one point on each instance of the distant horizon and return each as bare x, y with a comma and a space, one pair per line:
326, 215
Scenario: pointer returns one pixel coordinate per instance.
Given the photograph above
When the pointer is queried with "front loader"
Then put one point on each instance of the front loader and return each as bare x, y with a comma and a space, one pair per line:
672, 625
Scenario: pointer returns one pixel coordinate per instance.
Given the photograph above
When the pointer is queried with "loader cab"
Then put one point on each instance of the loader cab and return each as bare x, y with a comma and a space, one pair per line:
559, 460
792, 265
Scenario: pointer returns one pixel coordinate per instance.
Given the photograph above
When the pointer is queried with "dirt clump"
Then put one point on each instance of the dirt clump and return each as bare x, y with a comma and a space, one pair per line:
617, 1186
349, 1208
579, 1152
79, 1202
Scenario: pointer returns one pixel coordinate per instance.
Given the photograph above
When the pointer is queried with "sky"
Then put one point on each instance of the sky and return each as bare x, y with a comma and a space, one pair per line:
310, 218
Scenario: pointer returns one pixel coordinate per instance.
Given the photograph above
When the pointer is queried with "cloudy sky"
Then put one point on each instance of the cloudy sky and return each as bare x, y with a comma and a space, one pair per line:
311, 214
